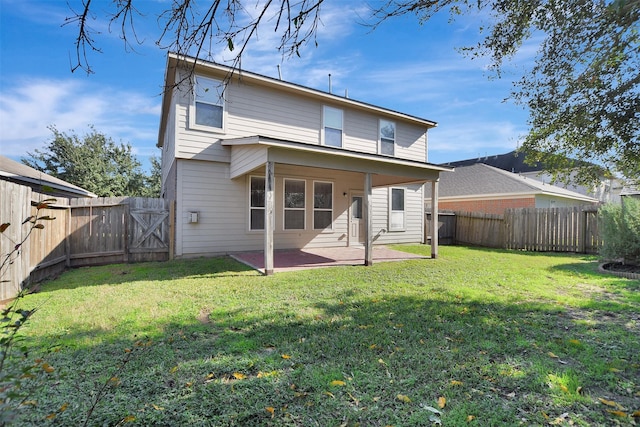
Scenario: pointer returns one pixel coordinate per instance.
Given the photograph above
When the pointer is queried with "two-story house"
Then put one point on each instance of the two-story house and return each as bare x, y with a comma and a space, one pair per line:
257, 163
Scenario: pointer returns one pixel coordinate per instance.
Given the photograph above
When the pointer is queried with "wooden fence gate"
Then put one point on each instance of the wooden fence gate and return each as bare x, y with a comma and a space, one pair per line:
119, 229
84, 232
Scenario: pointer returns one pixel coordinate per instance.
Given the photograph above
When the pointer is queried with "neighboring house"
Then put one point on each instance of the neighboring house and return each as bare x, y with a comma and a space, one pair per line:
606, 191
483, 188
256, 163
13, 171
632, 191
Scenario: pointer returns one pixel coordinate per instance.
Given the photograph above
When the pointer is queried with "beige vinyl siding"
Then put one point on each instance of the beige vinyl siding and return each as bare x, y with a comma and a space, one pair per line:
549, 201
414, 212
197, 144
221, 203
411, 142
253, 110
361, 132
263, 111
245, 159
169, 143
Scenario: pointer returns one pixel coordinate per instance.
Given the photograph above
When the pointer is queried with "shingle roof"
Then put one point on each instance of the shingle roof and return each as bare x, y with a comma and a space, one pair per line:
512, 162
482, 180
18, 172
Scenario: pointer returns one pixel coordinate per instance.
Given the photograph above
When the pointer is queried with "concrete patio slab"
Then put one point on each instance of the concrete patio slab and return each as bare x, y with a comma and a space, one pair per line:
303, 259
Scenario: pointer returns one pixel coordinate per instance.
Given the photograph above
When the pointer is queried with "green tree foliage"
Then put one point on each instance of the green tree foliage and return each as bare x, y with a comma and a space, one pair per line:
583, 91
96, 163
621, 231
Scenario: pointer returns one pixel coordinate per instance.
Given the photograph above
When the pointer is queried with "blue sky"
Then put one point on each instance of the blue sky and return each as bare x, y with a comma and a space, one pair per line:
402, 65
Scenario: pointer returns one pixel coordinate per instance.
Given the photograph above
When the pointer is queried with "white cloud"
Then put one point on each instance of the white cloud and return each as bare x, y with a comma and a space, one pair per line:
29, 107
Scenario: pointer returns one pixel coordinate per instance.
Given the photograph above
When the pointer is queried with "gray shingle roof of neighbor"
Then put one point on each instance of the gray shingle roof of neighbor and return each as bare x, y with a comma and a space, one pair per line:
511, 161
26, 175
480, 179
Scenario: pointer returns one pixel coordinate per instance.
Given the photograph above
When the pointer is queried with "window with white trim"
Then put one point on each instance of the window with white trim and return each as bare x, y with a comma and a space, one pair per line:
256, 203
294, 204
333, 124
396, 209
387, 137
322, 205
208, 106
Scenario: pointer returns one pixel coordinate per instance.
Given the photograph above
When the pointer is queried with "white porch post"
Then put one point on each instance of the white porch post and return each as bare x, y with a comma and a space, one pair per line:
269, 218
368, 223
434, 218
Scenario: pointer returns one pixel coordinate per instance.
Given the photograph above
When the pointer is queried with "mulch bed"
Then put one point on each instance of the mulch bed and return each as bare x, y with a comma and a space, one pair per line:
621, 270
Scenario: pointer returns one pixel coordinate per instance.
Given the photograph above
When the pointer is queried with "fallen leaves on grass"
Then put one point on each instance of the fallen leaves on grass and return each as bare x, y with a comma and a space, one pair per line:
403, 398
337, 383
239, 376
442, 402
271, 410
610, 403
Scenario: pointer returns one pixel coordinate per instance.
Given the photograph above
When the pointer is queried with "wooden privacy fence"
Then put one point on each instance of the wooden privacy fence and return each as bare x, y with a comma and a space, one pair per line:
572, 229
552, 230
84, 232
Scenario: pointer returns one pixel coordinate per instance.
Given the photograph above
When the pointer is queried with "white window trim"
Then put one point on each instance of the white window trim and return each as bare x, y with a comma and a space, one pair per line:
285, 209
404, 211
330, 228
192, 108
395, 136
324, 126
249, 229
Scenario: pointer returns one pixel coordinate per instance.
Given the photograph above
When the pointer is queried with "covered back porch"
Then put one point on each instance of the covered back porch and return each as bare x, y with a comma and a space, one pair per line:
260, 156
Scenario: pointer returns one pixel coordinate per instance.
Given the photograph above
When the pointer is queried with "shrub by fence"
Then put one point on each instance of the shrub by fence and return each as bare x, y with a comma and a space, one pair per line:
84, 232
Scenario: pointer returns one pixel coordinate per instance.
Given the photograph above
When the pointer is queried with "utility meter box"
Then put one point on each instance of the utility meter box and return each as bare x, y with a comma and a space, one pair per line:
193, 217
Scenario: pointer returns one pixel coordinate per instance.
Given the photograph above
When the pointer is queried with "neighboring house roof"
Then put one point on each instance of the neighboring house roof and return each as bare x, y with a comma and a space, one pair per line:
10, 170
631, 190
175, 60
481, 180
512, 161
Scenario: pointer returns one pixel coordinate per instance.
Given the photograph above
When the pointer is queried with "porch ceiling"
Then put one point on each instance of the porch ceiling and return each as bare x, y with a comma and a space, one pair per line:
250, 153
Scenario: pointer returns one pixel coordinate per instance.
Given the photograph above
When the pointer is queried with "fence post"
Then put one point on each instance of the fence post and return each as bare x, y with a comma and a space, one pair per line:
172, 228
582, 230
126, 233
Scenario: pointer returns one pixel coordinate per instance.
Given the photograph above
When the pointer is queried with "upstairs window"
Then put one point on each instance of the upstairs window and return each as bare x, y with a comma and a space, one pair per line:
387, 137
322, 205
209, 103
396, 209
332, 127
256, 202
294, 207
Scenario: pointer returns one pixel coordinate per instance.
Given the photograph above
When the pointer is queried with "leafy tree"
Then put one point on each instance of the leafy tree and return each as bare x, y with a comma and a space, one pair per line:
583, 92
95, 163
153, 182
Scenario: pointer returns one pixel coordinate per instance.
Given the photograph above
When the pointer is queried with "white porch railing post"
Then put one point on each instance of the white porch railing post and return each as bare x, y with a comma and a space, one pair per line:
269, 220
434, 219
368, 223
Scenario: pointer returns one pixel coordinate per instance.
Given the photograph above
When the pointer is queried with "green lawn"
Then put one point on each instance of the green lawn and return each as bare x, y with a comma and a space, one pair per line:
476, 337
